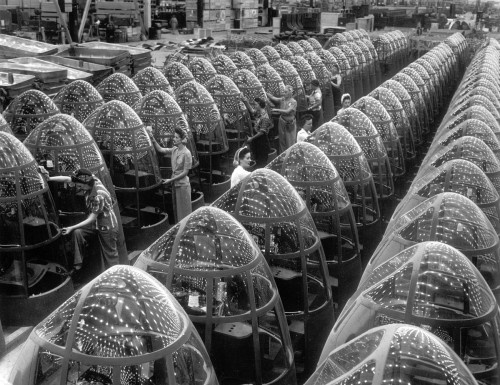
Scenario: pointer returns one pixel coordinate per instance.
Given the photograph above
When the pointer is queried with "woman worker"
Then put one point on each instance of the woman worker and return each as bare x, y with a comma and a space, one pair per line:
181, 164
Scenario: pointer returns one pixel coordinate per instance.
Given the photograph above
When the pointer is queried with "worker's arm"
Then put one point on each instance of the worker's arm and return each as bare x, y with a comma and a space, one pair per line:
90, 219
159, 149
291, 107
273, 98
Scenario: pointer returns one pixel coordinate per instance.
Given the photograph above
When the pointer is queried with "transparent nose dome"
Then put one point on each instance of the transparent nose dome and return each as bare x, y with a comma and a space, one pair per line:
25, 201
291, 78
392, 354
283, 51
452, 219
161, 112
224, 65
459, 176
336, 41
295, 48
27, 110
78, 99
236, 118
201, 69
469, 148
470, 127
4, 126
125, 145
416, 96
330, 62
346, 155
399, 118
365, 133
270, 53
177, 74
63, 145
270, 80
242, 61
409, 108
305, 45
219, 276
476, 100
316, 46
320, 70
304, 70
123, 327
309, 170
249, 84
257, 57
473, 112
345, 70
119, 87
443, 292
275, 215
384, 125
203, 117
151, 79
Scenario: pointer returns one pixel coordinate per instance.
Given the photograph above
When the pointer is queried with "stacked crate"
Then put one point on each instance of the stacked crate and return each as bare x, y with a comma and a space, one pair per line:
214, 15
193, 14
249, 14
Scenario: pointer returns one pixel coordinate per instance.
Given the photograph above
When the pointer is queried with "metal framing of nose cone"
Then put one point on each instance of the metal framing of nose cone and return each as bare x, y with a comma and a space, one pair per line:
237, 120
208, 129
386, 56
132, 162
4, 126
220, 277
271, 54
313, 175
78, 99
304, 70
345, 70
295, 48
424, 89
278, 219
201, 69
315, 44
372, 65
270, 80
291, 77
28, 110
417, 98
160, 111
475, 100
123, 327
399, 353
151, 79
242, 61
224, 65
119, 87
432, 93
340, 146
458, 312
384, 125
305, 45
335, 41
283, 51
31, 274
459, 176
448, 218
356, 70
177, 74
468, 148
365, 133
398, 116
257, 57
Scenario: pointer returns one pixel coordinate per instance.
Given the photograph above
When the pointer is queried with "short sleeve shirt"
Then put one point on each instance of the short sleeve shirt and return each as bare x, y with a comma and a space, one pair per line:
181, 160
285, 105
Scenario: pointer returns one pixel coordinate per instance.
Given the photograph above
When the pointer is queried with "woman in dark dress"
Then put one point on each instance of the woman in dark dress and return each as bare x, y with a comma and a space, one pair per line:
259, 142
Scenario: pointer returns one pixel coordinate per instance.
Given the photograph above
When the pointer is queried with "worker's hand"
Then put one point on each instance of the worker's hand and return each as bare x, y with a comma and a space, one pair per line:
249, 140
44, 172
66, 230
243, 97
167, 181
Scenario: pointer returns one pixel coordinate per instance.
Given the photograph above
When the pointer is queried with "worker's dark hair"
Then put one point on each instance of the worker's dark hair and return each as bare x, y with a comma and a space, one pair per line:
83, 176
315, 83
305, 118
239, 155
260, 102
179, 131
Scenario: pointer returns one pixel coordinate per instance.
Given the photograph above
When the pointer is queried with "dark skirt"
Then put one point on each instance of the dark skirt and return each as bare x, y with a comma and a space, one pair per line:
260, 149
